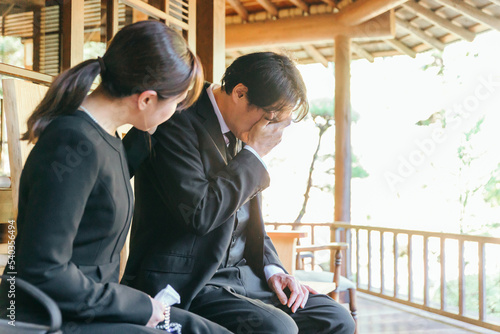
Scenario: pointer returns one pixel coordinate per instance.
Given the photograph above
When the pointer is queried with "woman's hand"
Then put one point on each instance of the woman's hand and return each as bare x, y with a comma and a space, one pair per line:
158, 313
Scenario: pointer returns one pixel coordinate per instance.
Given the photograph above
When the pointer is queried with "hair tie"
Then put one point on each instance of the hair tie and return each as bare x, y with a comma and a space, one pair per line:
101, 63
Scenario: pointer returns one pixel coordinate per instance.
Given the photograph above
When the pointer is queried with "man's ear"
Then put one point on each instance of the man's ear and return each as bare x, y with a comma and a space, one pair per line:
239, 92
146, 99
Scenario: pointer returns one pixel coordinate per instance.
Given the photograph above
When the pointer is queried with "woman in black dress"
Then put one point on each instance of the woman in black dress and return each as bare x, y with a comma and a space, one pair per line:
75, 202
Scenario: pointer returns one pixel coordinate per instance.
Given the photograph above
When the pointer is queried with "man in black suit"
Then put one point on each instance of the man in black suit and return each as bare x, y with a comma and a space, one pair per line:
198, 224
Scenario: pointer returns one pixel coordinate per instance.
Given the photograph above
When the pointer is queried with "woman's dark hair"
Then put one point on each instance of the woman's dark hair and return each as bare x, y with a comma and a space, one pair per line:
146, 55
274, 83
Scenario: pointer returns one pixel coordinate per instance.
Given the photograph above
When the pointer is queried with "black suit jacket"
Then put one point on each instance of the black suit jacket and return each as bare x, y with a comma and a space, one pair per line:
187, 195
75, 208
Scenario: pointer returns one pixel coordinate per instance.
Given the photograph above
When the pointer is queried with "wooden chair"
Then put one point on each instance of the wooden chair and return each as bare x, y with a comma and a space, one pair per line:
345, 290
42, 299
20, 99
330, 283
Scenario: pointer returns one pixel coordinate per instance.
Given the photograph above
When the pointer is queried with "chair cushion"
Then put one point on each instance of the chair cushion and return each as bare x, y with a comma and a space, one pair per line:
324, 276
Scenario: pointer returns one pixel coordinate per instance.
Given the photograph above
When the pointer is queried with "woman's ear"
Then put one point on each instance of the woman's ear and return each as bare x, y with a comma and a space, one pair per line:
147, 99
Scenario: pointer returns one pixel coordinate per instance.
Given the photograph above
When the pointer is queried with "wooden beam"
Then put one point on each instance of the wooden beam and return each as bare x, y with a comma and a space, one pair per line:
472, 12
210, 37
269, 7
330, 3
362, 52
342, 210
364, 10
72, 33
401, 47
304, 30
26, 4
154, 12
137, 16
22, 73
315, 54
431, 16
420, 34
239, 8
146, 8
301, 4
165, 7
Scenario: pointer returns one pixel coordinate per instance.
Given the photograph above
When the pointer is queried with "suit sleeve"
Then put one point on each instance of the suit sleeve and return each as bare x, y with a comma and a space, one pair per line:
270, 254
138, 146
200, 195
60, 175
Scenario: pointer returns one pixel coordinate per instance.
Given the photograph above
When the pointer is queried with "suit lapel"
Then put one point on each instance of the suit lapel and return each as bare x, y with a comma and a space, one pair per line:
206, 111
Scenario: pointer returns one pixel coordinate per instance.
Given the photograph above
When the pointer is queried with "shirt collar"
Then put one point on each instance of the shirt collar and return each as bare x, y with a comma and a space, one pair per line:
210, 91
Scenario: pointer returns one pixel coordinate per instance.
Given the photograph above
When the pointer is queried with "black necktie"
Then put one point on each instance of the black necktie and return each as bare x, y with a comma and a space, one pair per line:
231, 148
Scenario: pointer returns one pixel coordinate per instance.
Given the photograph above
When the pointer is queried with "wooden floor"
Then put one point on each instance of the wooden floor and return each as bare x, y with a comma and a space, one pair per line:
377, 316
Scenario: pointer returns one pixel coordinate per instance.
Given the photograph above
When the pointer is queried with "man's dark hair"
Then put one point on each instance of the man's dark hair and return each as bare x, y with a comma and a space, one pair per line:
274, 83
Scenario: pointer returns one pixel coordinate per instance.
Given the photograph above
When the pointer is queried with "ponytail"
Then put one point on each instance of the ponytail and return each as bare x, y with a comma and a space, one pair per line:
64, 96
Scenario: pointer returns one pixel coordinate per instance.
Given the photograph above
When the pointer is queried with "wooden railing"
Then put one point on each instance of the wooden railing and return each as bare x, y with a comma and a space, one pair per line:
422, 269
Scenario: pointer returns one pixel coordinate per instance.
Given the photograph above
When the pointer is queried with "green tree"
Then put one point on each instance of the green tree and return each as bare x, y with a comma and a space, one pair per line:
467, 156
11, 52
322, 114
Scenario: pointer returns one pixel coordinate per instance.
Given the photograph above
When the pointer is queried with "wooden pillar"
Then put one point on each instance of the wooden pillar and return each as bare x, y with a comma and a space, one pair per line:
37, 37
72, 29
111, 12
211, 37
191, 34
342, 128
137, 16
342, 136
28, 54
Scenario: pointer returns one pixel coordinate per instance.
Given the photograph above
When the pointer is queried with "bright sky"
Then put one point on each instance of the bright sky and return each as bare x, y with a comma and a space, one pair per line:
414, 179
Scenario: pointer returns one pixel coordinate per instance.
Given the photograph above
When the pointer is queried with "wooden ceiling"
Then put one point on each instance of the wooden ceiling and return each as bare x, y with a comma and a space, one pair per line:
420, 26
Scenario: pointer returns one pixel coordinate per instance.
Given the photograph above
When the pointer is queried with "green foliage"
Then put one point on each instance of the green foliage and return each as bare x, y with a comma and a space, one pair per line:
471, 294
491, 191
322, 114
92, 50
322, 107
437, 63
474, 130
11, 51
325, 108
436, 117
465, 150
358, 172
466, 155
